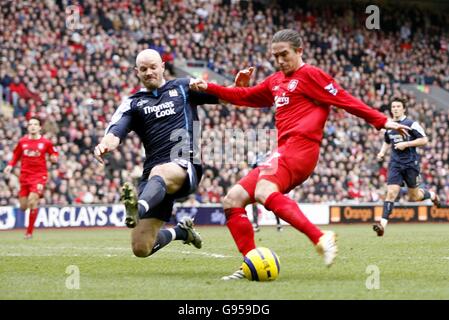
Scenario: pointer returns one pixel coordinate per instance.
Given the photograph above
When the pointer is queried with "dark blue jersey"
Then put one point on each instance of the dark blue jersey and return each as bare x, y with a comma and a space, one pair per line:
408, 155
164, 121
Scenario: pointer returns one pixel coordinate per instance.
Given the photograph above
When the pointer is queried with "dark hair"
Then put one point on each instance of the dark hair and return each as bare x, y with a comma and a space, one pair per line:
37, 119
288, 35
401, 100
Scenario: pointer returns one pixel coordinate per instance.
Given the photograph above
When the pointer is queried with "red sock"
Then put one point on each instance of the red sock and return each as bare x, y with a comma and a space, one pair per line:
32, 220
288, 210
241, 229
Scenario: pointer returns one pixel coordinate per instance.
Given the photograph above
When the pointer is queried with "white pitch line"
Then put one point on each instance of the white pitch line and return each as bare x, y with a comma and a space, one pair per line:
207, 254
56, 248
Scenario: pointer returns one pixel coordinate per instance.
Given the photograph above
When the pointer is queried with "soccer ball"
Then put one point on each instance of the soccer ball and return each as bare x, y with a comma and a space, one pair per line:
261, 264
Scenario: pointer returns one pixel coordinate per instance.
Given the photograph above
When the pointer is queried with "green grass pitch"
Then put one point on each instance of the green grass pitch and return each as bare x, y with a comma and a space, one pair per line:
412, 260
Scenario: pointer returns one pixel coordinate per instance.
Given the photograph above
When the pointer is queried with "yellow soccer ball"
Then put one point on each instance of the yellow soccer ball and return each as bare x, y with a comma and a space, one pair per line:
261, 264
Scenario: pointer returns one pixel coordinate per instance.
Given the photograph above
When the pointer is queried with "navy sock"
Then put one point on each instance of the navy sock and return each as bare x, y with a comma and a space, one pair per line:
388, 208
181, 234
426, 194
255, 215
164, 237
152, 195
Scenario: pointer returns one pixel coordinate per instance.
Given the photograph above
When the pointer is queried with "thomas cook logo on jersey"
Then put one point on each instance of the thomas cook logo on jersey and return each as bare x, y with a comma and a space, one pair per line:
161, 110
173, 93
292, 85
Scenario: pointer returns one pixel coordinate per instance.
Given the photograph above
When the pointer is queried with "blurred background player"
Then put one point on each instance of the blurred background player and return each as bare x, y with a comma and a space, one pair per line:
302, 95
404, 163
162, 114
31, 151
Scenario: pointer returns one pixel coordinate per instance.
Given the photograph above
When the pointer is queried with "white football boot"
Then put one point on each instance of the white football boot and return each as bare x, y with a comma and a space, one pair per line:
327, 247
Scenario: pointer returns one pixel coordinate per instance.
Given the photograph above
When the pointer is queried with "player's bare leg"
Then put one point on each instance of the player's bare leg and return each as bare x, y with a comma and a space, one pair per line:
164, 179
418, 194
32, 201
147, 235
392, 193
144, 236
23, 205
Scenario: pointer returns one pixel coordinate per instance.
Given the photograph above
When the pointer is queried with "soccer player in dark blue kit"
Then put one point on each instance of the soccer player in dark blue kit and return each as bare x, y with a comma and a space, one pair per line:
162, 114
404, 163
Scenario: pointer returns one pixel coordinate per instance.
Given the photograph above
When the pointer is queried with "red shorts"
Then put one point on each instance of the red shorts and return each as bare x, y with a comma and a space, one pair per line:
34, 185
288, 166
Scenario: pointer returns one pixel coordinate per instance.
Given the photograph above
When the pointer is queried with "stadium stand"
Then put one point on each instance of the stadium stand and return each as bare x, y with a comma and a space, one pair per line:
74, 74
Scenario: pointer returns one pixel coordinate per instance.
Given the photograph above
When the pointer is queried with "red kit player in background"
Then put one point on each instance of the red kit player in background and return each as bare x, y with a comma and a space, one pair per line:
32, 150
302, 95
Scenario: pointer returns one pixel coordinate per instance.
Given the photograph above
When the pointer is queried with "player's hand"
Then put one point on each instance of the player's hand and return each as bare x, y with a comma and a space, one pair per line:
243, 76
198, 84
380, 156
54, 158
99, 151
403, 130
401, 145
7, 169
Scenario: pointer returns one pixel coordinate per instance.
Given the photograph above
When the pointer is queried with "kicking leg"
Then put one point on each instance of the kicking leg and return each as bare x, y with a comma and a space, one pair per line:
288, 210
419, 194
164, 179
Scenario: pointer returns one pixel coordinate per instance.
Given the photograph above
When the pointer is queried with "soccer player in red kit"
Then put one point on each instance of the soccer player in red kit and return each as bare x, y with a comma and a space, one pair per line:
302, 95
32, 150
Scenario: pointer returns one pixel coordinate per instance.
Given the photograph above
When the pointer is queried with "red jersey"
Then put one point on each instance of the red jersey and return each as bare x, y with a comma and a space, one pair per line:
302, 101
32, 154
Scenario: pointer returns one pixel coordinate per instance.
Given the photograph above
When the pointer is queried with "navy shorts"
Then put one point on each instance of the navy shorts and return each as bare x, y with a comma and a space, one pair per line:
163, 211
400, 174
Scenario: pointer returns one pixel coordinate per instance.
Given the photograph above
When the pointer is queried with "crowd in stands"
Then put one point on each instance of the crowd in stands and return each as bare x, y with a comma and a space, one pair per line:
71, 65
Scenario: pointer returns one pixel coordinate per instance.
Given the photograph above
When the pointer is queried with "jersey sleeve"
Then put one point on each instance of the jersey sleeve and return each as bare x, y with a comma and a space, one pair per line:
258, 96
322, 87
387, 138
51, 150
417, 131
121, 120
199, 98
17, 154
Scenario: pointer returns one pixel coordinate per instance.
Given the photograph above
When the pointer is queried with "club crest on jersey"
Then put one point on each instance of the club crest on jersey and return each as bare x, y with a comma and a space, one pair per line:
292, 85
141, 102
40, 146
173, 93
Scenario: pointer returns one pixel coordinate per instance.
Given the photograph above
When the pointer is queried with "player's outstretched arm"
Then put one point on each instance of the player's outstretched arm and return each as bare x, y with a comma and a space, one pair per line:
8, 169
414, 143
382, 151
107, 144
258, 96
403, 130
